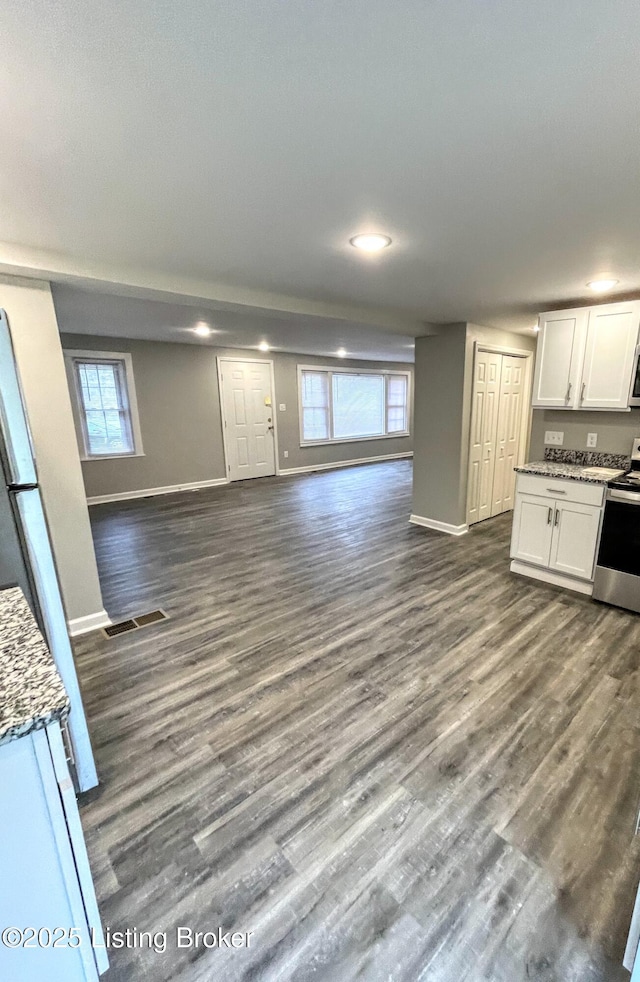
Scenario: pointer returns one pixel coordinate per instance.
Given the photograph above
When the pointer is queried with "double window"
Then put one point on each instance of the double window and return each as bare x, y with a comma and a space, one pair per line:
340, 405
104, 405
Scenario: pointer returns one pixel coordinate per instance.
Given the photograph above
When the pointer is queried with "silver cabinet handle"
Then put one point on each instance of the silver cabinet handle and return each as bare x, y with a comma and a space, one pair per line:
568, 395
557, 521
555, 491
584, 385
549, 516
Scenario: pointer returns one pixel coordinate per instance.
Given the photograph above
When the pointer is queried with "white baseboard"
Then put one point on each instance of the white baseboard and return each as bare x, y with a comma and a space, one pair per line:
307, 469
150, 492
90, 622
432, 523
550, 576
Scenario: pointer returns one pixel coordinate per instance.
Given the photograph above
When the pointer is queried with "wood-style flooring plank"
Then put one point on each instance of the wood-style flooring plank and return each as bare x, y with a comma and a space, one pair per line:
370, 744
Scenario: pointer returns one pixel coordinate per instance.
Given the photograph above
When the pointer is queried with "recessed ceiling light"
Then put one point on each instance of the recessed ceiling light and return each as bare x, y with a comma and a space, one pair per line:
202, 330
370, 241
601, 286
263, 346
341, 352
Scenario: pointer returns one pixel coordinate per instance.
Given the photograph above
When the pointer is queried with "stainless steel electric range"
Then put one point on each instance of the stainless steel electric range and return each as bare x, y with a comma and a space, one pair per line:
617, 576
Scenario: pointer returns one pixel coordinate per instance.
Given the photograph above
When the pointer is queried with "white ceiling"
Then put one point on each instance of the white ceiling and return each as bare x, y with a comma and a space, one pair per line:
88, 312
240, 143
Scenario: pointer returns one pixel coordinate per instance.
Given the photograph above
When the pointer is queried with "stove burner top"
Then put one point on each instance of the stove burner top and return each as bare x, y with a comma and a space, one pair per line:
628, 482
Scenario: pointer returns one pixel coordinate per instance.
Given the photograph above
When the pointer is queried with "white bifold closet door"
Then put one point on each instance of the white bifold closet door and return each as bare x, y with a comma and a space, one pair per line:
496, 426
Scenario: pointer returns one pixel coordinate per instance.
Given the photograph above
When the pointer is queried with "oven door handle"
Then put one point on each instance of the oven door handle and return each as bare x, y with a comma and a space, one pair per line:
629, 497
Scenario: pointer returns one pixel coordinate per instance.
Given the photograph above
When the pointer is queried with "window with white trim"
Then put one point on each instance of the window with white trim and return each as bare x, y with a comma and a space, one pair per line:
338, 405
105, 409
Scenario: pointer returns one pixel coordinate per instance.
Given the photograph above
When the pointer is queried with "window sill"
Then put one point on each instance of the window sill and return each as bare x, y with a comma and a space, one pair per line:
354, 439
111, 456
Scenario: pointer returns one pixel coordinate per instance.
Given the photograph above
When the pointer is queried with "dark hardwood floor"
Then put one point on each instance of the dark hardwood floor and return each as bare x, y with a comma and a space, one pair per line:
367, 743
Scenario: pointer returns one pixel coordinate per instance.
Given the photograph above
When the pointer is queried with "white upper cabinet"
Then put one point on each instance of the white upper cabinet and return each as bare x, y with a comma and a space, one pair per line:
559, 357
585, 357
612, 334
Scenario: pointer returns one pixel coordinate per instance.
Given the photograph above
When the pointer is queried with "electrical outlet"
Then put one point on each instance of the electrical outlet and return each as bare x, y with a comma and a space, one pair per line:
282, 407
592, 440
554, 438
286, 453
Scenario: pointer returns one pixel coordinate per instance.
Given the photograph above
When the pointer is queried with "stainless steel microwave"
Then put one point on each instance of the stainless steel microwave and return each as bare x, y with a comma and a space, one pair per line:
634, 394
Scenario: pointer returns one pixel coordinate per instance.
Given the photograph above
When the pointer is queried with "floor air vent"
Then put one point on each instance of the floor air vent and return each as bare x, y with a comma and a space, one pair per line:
133, 623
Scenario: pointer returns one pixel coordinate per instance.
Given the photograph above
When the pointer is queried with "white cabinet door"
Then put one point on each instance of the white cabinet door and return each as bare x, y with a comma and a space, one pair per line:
484, 416
508, 433
559, 358
39, 881
575, 536
532, 529
612, 334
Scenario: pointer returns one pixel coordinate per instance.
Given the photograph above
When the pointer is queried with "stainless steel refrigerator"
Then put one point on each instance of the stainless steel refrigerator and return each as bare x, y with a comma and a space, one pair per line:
26, 557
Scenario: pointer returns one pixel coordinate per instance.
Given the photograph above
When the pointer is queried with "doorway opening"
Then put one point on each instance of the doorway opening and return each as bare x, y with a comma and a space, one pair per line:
498, 435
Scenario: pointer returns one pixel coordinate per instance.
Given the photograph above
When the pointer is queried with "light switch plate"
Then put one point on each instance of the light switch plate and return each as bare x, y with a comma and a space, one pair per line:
554, 438
286, 453
592, 440
282, 407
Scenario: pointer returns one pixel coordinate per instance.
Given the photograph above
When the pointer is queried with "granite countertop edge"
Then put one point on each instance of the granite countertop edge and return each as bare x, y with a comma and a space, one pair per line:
571, 472
32, 695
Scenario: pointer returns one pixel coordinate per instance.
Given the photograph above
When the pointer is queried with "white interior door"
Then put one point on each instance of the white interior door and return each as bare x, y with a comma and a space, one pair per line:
509, 428
484, 418
248, 418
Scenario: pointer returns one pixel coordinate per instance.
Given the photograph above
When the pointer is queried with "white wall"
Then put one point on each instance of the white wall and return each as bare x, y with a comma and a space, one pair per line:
38, 350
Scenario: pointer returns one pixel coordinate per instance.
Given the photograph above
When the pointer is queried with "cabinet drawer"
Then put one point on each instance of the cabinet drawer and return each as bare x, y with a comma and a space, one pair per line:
561, 489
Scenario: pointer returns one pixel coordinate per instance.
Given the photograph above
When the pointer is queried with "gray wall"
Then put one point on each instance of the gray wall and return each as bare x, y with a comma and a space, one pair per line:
615, 430
438, 430
180, 417
289, 422
442, 418
34, 328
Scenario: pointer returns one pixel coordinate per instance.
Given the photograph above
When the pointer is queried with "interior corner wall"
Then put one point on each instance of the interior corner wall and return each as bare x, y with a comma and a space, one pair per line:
442, 416
181, 419
32, 318
438, 425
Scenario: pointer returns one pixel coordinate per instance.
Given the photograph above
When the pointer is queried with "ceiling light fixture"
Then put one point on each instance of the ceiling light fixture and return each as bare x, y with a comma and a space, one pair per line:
601, 286
202, 330
370, 241
341, 352
263, 346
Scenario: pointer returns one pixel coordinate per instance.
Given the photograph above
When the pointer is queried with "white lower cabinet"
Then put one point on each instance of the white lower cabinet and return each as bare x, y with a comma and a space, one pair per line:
575, 537
48, 909
555, 538
532, 530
